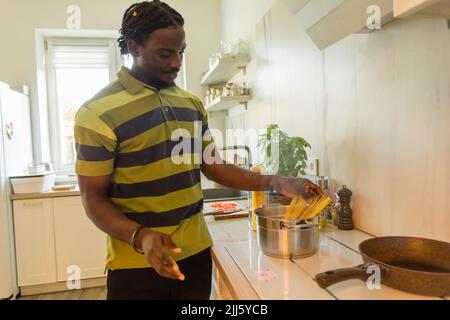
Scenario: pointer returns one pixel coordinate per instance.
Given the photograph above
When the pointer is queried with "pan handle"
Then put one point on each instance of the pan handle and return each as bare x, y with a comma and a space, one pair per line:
329, 278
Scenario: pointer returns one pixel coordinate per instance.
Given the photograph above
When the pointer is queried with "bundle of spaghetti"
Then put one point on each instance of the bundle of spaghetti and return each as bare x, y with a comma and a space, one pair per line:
258, 199
299, 209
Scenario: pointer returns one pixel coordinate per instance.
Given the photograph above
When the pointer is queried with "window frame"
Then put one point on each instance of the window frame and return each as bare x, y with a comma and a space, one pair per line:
45, 116
53, 109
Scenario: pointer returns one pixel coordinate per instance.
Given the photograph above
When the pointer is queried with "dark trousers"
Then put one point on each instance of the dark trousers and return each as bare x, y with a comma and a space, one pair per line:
146, 284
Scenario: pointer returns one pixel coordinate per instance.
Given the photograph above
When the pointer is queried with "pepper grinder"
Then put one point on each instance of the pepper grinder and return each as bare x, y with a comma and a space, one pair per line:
344, 211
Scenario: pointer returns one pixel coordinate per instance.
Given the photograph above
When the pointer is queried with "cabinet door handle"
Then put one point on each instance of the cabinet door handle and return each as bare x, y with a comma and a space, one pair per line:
9, 130
30, 204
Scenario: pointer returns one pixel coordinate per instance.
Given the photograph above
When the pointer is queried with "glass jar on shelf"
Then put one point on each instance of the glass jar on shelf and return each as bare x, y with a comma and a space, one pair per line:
217, 93
226, 92
226, 48
244, 91
213, 59
240, 48
235, 89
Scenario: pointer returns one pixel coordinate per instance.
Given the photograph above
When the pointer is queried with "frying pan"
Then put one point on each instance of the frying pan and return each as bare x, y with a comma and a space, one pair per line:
415, 265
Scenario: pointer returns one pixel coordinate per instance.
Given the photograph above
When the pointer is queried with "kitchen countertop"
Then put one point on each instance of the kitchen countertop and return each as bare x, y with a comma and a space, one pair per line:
47, 194
206, 184
250, 275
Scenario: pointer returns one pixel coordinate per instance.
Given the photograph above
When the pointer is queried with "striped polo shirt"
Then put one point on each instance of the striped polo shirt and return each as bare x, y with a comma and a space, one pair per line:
132, 131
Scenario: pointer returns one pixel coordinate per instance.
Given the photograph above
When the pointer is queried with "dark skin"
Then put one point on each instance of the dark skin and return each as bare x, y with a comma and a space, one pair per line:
157, 63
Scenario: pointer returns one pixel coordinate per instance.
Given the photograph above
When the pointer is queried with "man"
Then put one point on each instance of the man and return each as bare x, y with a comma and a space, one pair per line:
150, 206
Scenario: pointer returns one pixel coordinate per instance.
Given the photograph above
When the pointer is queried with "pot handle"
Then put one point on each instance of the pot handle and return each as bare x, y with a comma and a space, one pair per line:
329, 278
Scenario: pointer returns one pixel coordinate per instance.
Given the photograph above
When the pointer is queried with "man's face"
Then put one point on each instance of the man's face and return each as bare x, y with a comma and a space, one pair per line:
161, 56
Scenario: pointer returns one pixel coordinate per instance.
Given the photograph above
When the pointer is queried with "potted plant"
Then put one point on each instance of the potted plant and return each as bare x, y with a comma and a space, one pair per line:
292, 158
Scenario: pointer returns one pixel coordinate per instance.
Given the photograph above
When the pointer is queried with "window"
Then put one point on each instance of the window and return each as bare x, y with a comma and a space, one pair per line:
77, 68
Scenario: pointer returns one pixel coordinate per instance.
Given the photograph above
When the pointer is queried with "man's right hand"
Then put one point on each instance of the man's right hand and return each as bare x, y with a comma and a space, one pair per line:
110, 219
155, 245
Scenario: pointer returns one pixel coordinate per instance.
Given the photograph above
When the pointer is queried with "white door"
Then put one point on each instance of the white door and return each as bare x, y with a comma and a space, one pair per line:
16, 126
79, 242
35, 241
5, 255
8, 282
5, 265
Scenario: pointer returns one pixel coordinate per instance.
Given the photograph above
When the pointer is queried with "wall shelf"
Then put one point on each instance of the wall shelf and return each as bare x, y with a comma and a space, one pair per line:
224, 103
224, 69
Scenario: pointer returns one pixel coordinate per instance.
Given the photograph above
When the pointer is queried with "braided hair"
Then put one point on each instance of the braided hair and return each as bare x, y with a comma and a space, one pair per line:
141, 19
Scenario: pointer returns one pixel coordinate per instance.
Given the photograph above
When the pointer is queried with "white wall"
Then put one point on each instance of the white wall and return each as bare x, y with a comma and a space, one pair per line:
241, 17
19, 19
375, 107
399, 103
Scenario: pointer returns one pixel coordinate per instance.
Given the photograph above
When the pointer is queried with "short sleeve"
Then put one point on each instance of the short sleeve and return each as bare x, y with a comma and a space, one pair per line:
207, 138
95, 145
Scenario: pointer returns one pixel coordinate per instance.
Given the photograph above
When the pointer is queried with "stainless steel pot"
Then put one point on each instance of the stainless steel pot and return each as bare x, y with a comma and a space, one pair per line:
282, 238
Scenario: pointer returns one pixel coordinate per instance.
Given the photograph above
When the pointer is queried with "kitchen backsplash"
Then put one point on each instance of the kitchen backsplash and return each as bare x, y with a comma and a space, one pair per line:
375, 107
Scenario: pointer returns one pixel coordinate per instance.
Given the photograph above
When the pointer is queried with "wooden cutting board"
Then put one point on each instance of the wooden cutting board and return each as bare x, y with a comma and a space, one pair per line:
240, 214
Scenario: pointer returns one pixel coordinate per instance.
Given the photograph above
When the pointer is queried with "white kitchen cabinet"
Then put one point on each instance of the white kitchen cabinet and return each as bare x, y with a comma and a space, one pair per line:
329, 21
220, 288
35, 241
53, 234
78, 241
422, 8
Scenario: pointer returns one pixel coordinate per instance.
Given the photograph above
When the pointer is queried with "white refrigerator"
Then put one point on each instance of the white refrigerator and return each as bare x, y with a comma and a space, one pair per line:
15, 155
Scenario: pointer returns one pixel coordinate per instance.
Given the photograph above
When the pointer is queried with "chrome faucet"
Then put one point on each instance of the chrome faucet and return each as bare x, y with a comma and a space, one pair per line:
248, 159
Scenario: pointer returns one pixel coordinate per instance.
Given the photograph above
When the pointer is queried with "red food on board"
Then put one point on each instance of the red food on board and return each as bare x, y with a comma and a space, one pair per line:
224, 206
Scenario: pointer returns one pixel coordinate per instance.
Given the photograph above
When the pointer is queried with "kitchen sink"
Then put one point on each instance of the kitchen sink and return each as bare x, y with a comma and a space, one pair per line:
223, 193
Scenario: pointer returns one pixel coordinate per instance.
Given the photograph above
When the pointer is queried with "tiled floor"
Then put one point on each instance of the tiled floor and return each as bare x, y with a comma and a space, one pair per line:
83, 294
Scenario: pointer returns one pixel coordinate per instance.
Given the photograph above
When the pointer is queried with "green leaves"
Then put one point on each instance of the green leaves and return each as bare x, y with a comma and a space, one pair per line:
292, 151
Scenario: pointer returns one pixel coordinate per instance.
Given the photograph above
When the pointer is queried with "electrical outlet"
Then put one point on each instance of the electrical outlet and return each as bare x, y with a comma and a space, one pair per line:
312, 167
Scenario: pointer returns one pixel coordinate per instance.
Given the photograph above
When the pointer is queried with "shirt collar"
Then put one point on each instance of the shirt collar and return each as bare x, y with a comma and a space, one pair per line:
133, 85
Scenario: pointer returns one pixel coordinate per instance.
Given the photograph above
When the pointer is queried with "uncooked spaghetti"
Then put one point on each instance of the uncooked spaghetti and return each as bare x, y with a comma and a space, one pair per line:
299, 209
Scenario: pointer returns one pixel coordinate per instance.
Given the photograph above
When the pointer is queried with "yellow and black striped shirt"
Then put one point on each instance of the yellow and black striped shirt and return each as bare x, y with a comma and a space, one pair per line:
126, 131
